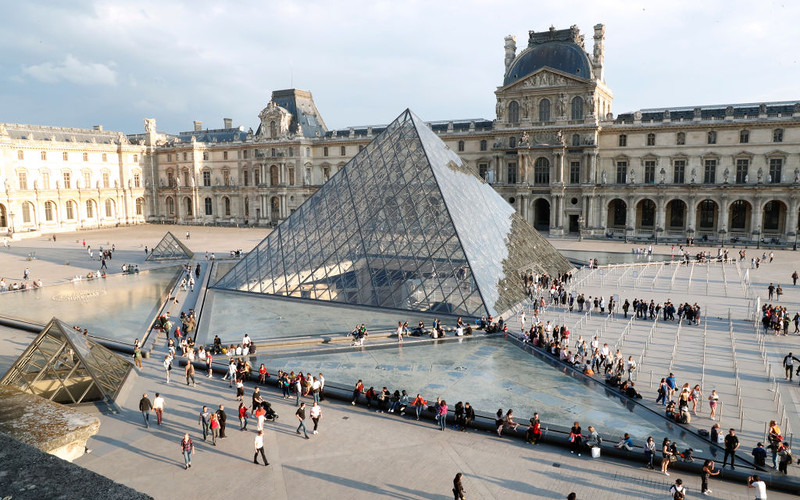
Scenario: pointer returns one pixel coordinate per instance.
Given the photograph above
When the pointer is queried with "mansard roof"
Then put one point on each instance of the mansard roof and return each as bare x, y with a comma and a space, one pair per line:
58, 134
712, 112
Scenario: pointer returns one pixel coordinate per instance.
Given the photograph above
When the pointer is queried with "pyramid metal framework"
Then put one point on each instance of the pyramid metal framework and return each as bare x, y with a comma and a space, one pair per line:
65, 366
404, 225
170, 248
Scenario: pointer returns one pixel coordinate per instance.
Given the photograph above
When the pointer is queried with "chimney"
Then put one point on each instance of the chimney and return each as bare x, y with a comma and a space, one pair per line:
228, 122
599, 51
198, 126
98, 127
511, 50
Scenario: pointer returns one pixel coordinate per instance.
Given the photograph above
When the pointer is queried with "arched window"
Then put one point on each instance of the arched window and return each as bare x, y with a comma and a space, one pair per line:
577, 108
109, 208
70, 212
89, 209
483, 144
208, 206
140, 206
541, 171
170, 205
460, 146
544, 110
513, 112
189, 208
227, 204
273, 129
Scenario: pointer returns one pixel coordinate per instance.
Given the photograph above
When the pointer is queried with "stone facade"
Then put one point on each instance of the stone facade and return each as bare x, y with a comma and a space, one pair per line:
55, 179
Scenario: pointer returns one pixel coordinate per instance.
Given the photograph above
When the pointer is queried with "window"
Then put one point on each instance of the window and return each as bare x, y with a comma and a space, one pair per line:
326, 174
712, 137
208, 206
45, 180
576, 139
187, 179
739, 215
105, 157
574, 172
206, 178
622, 172
244, 154
184, 156
742, 164
680, 138
205, 155
226, 177
483, 145
256, 177
708, 211
89, 209
106, 180
20, 155
744, 136
577, 108
272, 152
139, 206
65, 156
623, 140
651, 139
679, 171
246, 176
775, 166
709, 171
343, 151
23, 180
170, 205
135, 158
649, 172
224, 155
544, 110
87, 179
511, 170
67, 181
48, 211
513, 112
291, 176
676, 216
483, 171
169, 156
44, 155
308, 151
26, 212
772, 215
85, 156
360, 147
512, 142
460, 146
70, 210
109, 208
541, 171
325, 151
777, 135
137, 180
227, 204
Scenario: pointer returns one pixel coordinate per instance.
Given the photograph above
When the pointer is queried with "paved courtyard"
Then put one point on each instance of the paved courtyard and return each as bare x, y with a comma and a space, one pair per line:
361, 454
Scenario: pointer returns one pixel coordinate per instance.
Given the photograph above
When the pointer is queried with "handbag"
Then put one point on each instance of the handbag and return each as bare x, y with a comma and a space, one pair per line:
673, 458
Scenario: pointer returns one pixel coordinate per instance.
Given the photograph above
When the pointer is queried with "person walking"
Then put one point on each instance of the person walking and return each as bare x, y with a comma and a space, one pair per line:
677, 490
316, 413
708, 471
242, 417
259, 447
759, 485
221, 418
788, 365
666, 456
187, 448
158, 408
231, 373
458, 488
209, 361
441, 415
204, 420
713, 401
301, 417
168, 365
190, 373
214, 425
145, 406
794, 278
137, 357
731, 445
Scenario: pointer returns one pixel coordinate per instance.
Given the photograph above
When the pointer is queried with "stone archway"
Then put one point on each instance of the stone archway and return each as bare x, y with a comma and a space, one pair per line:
773, 220
707, 216
675, 216
541, 215
617, 214
646, 215
739, 215
3, 216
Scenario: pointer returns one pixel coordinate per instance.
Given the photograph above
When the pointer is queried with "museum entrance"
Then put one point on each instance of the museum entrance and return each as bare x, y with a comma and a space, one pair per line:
574, 225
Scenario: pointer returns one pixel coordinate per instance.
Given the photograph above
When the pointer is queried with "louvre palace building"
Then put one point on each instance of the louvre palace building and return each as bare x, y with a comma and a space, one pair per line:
554, 151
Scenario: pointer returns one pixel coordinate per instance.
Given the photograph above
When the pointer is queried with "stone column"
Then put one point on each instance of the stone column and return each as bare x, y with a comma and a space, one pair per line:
559, 166
755, 222
691, 213
601, 212
553, 211
724, 212
630, 216
592, 169
661, 212
791, 217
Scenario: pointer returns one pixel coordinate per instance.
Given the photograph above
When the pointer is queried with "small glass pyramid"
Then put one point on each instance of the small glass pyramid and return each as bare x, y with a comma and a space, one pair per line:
170, 248
404, 225
65, 366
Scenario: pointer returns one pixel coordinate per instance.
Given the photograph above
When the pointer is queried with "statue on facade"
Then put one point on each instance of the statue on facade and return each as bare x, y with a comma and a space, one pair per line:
525, 139
525, 107
769, 178
150, 125
760, 174
663, 175
604, 177
762, 109
633, 177
499, 110
747, 178
590, 103
725, 175
694, 175
562, 104
796, 176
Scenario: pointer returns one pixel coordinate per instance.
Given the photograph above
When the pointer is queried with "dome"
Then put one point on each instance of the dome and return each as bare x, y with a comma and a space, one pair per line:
566, 57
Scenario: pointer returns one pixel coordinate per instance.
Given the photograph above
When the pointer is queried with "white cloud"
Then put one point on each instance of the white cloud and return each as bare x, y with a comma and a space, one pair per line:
74, 71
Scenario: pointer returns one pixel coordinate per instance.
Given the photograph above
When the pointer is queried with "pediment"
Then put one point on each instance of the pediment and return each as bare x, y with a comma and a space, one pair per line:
547, 78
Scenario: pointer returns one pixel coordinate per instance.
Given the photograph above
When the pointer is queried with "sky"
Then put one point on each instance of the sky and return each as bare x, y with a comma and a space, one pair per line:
113, 63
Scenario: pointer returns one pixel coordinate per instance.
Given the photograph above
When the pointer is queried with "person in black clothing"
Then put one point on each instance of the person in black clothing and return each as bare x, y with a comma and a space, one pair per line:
197, 271
459, 414
469, 415
145, 406
576, 437
760, 455
788, 365
221, 418
731, 445
458, 488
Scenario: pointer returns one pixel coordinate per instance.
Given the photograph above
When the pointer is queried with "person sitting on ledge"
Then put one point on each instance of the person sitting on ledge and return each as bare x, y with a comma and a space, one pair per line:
630, 390
670, 410
625, 443
217, 345
534, 432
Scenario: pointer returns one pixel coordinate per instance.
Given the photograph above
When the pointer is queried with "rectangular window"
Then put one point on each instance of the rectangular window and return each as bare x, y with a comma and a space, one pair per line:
246, 178
89, 209
744, 136
106, 180
44, 155
105, 157
511, 170
623, 140
137, 181
23, 180
26, 213
226, 177
135, 158
85, 156
206, 178
65, 156
244, 154
169, 156
170, 179
710, 172
67, 181
48, 211
742, 165
574, 172
343, 151
70, 211
87, 180
622, 172
224, 155
184, 156
483, 145
775, 167
679, 171
483, 171
325, 151
205, 155
45, 180
649, 172
20, 155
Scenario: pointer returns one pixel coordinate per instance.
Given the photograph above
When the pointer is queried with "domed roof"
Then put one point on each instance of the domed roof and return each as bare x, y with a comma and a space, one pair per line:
567, 57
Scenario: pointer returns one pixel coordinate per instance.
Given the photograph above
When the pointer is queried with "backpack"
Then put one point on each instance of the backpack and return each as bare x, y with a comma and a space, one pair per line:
678, 494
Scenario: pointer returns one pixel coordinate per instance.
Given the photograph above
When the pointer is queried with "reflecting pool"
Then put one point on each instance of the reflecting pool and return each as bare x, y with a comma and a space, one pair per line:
490, 373
604, 258
119, 307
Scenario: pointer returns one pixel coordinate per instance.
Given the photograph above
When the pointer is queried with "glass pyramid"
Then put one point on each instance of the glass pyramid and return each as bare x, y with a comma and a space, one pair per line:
64, 366
404, 225
170, 248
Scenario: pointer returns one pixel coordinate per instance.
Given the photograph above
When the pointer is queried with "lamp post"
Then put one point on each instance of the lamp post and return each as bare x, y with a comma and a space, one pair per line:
580, 228
11, 228
758, 235
794, 247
